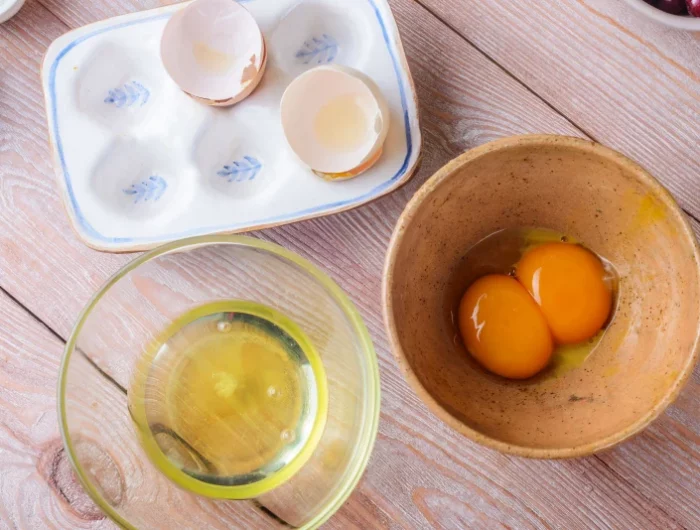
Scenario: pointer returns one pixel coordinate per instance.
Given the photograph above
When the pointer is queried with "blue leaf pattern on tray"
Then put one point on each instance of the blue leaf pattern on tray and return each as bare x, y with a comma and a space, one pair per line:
246, 168
152, 188
129, 95
321, 50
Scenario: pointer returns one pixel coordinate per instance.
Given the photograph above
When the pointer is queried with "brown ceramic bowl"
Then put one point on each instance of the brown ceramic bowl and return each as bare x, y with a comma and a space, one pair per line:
615, 208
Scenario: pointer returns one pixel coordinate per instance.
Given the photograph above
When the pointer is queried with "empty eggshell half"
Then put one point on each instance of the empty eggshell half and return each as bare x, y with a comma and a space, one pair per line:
215, 51
336, 121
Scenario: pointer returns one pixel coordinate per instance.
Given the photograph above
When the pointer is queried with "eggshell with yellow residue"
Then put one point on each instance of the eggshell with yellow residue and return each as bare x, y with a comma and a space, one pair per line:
214, 51
336, 121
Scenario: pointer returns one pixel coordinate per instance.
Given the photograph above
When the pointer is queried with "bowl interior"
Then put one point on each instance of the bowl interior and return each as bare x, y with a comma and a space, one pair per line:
613, 207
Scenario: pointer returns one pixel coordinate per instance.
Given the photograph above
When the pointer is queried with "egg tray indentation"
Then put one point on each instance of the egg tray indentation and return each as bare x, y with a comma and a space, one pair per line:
318, 33
142, 163
139, 181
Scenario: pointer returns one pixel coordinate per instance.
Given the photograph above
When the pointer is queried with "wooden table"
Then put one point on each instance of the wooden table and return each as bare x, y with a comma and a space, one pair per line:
483, 70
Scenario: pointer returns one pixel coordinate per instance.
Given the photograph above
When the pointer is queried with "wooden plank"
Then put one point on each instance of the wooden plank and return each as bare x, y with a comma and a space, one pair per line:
628, 82
36, 238
37, 486
422, 473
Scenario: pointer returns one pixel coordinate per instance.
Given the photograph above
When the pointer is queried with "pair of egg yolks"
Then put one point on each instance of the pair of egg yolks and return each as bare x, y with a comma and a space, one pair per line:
560, 296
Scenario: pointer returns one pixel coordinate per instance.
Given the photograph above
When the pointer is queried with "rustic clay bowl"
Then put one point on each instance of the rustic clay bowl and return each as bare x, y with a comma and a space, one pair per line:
602, 199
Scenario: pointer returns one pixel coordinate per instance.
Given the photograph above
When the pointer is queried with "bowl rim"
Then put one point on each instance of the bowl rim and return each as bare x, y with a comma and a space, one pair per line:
10, 10
372, 403
689, 22
426, 190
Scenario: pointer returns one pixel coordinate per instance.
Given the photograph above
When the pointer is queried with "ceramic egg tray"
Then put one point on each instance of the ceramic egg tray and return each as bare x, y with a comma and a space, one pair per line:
140, 163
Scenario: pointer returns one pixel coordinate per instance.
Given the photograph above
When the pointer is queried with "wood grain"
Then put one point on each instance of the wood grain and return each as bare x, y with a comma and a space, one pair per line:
422, 474
37, 486
627, 82
37, 245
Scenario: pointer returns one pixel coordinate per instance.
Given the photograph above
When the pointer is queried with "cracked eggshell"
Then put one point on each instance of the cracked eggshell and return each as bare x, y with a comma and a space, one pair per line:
336, 121
214, 51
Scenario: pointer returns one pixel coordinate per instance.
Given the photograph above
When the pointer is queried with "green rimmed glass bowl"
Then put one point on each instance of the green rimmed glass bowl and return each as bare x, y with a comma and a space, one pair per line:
132, 310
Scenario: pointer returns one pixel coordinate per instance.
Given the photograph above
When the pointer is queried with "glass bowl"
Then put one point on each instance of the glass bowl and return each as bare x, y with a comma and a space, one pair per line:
106, 352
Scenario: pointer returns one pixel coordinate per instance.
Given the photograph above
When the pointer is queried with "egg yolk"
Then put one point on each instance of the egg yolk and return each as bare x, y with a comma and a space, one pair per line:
503, 328
568, 283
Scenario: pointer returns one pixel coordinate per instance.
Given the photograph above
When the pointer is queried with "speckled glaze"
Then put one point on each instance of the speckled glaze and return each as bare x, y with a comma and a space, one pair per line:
614, 207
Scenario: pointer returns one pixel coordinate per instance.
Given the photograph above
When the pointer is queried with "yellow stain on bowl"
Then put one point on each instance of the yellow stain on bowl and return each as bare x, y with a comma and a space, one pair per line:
649, 211
661, 383
211, 60
537, 236
670, 377
571, 356
611, 370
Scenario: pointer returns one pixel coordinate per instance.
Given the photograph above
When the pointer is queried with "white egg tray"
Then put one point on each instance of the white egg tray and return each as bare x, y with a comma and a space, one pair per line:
140, 163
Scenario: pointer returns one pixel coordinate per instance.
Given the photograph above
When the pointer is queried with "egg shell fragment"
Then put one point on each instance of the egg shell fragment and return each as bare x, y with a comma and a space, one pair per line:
214, 51
304, 102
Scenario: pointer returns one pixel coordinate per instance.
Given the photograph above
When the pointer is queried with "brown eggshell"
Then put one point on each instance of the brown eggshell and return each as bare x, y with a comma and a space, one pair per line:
252, 81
